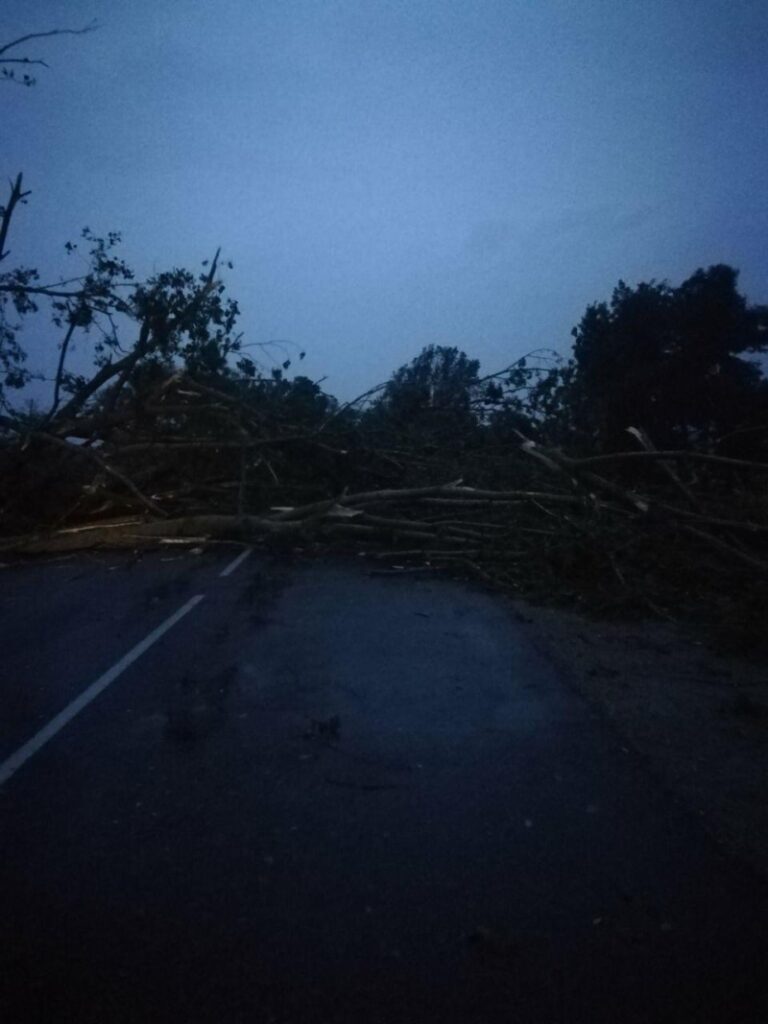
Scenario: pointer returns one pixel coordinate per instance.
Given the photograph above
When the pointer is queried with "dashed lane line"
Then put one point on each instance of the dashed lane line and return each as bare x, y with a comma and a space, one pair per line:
9, 767
237, 561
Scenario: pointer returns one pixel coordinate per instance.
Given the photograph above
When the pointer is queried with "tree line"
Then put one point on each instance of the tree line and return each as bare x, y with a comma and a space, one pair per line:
683, 363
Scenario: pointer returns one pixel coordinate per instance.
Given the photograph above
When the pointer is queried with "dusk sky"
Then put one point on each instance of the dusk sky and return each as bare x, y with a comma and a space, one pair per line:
388, 175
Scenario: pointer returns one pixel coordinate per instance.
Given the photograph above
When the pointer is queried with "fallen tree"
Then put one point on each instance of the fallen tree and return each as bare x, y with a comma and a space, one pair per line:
667, 532
178, 437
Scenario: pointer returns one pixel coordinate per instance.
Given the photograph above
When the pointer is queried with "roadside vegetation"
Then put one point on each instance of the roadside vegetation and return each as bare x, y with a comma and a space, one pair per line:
628, 478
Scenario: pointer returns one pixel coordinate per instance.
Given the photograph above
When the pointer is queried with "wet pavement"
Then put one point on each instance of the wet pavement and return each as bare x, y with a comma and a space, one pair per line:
326, 796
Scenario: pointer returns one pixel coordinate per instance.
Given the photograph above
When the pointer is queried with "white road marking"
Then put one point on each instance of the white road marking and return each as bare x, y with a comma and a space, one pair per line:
238, 561
23, 754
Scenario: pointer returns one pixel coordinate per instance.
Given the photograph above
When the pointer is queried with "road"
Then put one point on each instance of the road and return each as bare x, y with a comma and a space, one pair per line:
320, 796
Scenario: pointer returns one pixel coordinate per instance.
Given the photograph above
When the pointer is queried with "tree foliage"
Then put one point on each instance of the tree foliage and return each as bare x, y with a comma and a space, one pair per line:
674, 361
430, 397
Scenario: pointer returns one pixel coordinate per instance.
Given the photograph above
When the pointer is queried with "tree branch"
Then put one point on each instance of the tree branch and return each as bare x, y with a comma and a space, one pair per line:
22, 60
616, 457
94, 456
44, 35
16, 197
60, 371
106, 373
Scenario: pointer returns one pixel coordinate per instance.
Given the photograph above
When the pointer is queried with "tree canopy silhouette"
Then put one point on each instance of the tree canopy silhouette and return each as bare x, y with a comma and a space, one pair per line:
430, 397
674, 361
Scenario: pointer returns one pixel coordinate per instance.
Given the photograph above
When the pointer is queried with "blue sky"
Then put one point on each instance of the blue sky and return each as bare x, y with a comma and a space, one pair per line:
388, 175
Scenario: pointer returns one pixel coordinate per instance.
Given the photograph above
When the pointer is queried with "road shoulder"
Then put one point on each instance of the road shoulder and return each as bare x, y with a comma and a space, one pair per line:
698, 718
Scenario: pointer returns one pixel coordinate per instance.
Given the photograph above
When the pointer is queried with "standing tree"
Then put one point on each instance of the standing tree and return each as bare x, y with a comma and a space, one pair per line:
430, 398
669, 360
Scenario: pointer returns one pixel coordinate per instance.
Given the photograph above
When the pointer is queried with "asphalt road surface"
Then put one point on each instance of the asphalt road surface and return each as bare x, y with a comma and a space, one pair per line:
317, 796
